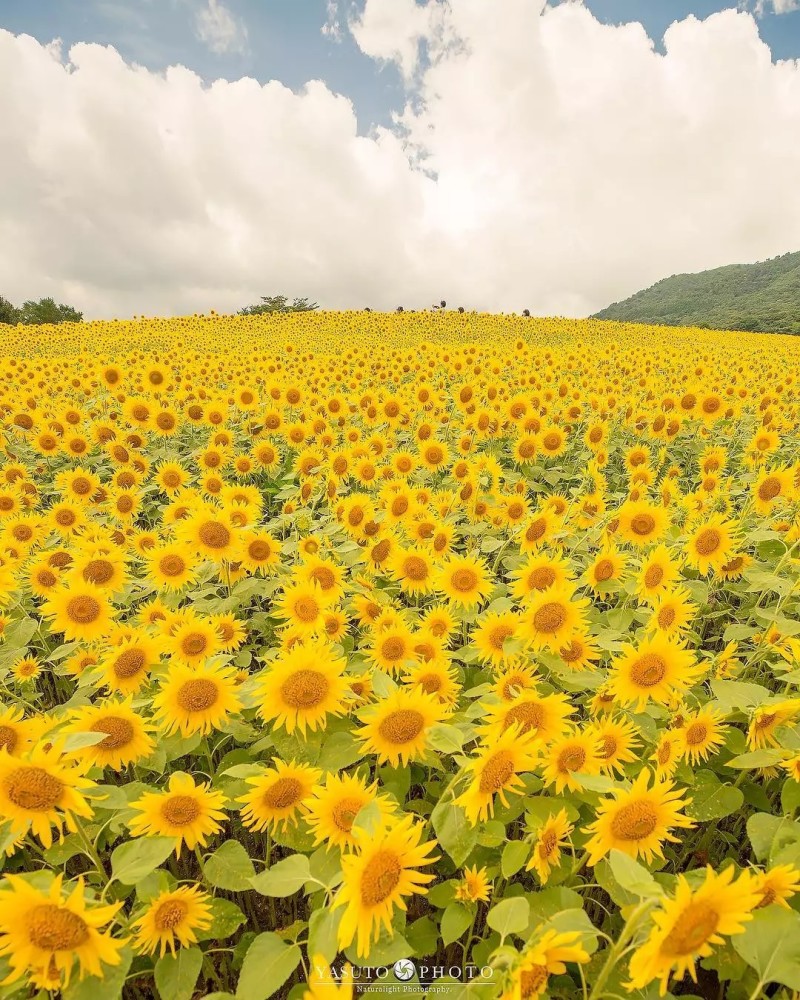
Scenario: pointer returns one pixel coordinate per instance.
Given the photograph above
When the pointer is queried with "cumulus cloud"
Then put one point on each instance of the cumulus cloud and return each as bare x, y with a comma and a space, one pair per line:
543, 160
777, 6
217, 28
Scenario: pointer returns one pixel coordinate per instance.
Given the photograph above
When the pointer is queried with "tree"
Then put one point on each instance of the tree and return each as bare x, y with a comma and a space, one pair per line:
278, 304
47, 311
8, 313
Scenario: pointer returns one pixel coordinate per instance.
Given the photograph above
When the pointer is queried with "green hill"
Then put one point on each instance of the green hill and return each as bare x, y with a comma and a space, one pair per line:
763, 296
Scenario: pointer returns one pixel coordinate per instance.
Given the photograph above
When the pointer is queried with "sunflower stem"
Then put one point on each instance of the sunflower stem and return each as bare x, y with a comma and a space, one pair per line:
91, 850
617, 951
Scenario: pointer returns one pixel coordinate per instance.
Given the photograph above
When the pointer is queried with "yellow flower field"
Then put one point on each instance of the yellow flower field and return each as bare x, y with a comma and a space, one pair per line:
334, 640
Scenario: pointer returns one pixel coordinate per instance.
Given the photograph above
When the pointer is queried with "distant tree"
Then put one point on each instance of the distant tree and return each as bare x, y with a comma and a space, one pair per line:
47, 311
278, 304
8, 313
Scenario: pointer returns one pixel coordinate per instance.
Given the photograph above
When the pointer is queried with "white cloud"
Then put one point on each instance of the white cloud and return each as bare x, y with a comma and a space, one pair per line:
217, 28
775, 6
544, 161
332, 27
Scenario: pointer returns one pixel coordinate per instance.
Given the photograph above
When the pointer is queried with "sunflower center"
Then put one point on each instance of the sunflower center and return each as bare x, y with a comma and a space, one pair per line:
283, 793
47, 578
197, 695
393, 648
464, 580
83, 610
666, 617
98, 571
194, 643
541, 578
180, 810
707, 541
9, 738
608, 746
259, 550
548, 843
498, 636
549, 617
324, 576
33, 788
535, 530
402, 725
643, 524
415, 568
55, 928
171, 480
653, 576
430, 683
696, 733
214, 535
119, 732
532, 981
604, 570
571, 759
572, 652
634, 821
129, 663
691, 930
172, 565
306, 609
345, 812
768, 896
648, 670
305, 689
380, 877
529, 715
170, 914
770, 488
496, 772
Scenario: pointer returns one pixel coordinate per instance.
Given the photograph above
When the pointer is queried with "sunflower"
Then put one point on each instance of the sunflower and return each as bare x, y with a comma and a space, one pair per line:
126, 667
494, 770
547, 956
576, 752
491, 634
210, 532
127, 738
511, 682
605, 569
278, 795
81, 611
196, 699
26, 669
689, 923
543, 715
171, 565
539, 572
378, 876
193, 641
474, 887
642, 523
657, 573
259, 551
413, 568
16, 732
435, 677
617, 743
773, 486
45, 934
40, 790
777, 886
302, 606
334, 805
552, 617
303, 686
392, 648
673, 612
657, 669
766, 720
580, 652
639, 820
323, 985
464, 580
173, 915
439, 621
667, 754
712, 544
396, 728
553, 834
702, 734
185, 811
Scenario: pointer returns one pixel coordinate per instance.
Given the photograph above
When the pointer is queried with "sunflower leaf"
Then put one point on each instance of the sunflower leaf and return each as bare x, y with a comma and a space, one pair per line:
230, 867
176, 975
132, 861
283, 878
267, 965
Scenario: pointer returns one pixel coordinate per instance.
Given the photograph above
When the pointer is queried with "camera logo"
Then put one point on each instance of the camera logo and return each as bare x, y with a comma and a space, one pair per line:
404, 970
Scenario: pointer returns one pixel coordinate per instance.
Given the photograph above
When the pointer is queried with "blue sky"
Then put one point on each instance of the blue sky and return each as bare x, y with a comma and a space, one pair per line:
284, 38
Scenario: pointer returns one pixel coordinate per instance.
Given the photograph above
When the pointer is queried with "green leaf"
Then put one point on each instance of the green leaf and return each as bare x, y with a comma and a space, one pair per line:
284, 878
711, 799
176, 975
633, 876
771, 945
132, 861
445, 738
226, 919
455, 920
455, 833
509, 916
735, 696
514, 856
339, 751
79, 741
108, 988
267, 965
757, 758
323, 928
766, 832
230, 867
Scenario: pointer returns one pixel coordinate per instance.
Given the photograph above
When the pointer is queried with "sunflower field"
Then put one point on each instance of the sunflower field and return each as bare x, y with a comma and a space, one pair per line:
355, 654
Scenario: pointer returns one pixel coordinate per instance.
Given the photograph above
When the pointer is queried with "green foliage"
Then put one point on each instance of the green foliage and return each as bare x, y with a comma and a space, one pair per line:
763, 296
278, 304
33, 313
